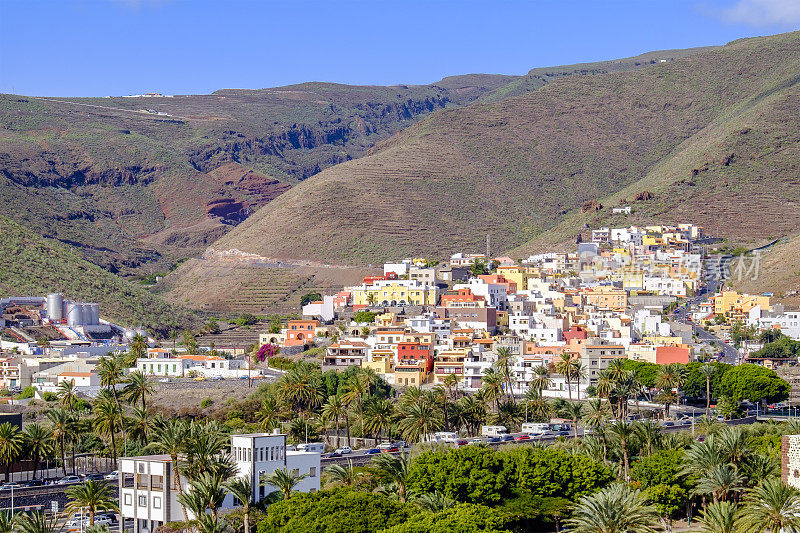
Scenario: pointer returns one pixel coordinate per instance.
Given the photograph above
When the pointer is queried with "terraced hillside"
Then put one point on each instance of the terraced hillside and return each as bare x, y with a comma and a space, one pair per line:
237, 286
33, 265
713, 134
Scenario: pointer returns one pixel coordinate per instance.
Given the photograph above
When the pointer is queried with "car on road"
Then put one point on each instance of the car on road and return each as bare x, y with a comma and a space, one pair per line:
494, 440
112, 476
94, 477
9, 486
331, 455
68, 480
393, 449
687, 422
344, 450
372, 451
242, 377
507, 438
200, 378
461, 442
475, 441
519, 438
33, 483
76, 525
563, 433
384, 445
668, 424
215, 378
401, 444
164, 380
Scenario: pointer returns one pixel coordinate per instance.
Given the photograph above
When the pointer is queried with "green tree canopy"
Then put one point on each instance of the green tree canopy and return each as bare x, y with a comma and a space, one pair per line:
754, 383
695, 383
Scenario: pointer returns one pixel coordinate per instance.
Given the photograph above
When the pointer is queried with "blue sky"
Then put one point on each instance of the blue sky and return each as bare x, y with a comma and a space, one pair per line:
115, 47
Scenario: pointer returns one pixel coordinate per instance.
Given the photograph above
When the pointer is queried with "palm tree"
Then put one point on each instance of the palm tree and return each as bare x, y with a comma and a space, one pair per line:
771, 506
209, 487
137, 388
542, 380
719, 518
211, 523
392, 471
759, 467
378, 417
283, 480
242, 490
61, 421
418, 420
36, 522
171, 440
719, 482
173, 336
615, 509
510, 414
503, 366
492, 386
355, 389
564, 366
702, 457
623, 432
433, 502
137, 349
38, 443
648, 434
93, 497
139, 425
11, 442
333, 410
670, 377
7, 522
707, 371
67, 393
269, 415
579, 373
108, 421
734, 444
301, 387
343, 475
574, 411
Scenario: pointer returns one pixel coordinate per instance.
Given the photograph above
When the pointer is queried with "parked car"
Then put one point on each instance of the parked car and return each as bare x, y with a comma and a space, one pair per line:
164, 380
33, 483
344, 450
507, 438
563, 433
113, 476
372, 451
67, 480
522, 437
200, 378
242, 377
216, 378
494, 440
393, 449
331, 455
385, 445
476, 441
461, 442
94, 477
9, 486
668, 424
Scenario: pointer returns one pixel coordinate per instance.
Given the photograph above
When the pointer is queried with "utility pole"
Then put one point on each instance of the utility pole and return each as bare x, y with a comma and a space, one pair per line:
488, 248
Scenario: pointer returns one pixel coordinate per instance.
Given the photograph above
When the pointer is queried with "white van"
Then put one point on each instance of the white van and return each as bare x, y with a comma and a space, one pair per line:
493, 431
311, 447
535, 428
441, 436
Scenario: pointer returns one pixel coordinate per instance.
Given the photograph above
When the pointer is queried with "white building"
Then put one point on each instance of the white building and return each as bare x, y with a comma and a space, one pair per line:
495, 294
148, 491
322, 309
665, 286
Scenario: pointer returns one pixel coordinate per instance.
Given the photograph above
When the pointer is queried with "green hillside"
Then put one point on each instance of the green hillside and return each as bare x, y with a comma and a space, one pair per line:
713, 135
33, 265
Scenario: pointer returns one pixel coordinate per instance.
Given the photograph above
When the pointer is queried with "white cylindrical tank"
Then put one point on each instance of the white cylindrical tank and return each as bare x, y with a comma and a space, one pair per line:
74, 314
55, 306
94, 314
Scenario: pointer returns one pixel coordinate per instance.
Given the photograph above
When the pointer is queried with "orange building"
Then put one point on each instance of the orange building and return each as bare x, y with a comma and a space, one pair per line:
300, 332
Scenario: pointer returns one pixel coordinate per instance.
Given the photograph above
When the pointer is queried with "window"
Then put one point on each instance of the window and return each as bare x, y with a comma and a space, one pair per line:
312, 472
156, 502
142, 501
296, 472
127, 499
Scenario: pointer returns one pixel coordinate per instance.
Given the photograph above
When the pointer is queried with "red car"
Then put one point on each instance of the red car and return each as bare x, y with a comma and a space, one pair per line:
393, 449
461, 442
522, 437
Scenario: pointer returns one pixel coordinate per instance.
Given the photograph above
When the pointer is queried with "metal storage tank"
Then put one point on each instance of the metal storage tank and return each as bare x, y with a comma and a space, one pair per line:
94, 314
55, 306
74, 314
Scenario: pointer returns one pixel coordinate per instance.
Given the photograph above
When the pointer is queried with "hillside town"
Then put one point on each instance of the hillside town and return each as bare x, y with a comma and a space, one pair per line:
550, 327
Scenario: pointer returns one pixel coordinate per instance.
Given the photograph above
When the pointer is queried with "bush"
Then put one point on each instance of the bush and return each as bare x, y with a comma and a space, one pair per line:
205, 404
462, 518
27, 392
334, 511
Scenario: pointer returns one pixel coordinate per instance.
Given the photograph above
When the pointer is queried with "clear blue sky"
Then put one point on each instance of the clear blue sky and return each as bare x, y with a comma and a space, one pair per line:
115, 47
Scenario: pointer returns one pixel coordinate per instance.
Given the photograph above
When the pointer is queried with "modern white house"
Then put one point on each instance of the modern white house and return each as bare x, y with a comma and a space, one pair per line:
148, 491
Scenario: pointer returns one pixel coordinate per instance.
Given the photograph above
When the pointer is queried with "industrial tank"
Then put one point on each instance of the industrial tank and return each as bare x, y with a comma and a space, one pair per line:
74, 314
55, 306
94, 314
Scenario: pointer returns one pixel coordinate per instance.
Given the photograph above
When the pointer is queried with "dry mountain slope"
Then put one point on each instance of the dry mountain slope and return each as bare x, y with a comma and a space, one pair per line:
516, 168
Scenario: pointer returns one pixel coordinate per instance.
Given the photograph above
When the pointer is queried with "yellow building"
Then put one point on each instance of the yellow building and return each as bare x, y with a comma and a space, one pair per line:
659, 340
733, 305
449, 362
607, 298
632, 278
410, 375
381, 362
395, 292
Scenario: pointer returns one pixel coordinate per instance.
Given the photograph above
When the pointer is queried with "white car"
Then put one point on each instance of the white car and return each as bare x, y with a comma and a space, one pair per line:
112, 476
164, 380
344, 450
